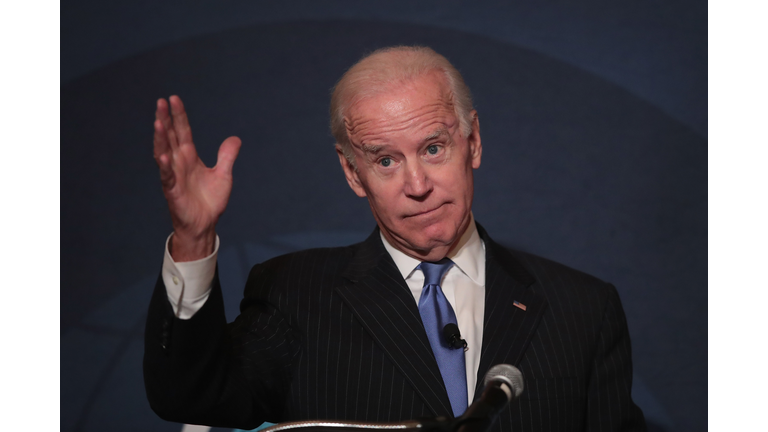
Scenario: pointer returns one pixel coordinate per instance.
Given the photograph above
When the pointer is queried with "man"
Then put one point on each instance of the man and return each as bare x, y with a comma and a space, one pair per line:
356, 332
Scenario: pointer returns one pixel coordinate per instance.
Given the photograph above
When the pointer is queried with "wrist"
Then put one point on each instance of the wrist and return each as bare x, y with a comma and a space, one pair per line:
185, 246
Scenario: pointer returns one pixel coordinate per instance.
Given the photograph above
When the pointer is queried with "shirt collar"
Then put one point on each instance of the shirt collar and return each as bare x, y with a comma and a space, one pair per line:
468, 256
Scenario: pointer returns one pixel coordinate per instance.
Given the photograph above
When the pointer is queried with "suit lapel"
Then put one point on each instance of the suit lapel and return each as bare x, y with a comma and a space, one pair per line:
507, 329
380, 299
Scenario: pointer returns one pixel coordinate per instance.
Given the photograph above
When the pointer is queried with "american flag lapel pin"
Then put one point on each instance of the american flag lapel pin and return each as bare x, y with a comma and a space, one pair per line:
519, 305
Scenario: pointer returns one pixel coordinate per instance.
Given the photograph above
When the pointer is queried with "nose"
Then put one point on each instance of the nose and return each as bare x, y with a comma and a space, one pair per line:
417, 183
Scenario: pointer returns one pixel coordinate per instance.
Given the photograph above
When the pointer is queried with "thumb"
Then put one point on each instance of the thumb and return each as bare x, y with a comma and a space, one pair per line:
227, 154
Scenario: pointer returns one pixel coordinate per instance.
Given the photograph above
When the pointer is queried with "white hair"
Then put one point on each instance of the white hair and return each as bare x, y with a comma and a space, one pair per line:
379, 70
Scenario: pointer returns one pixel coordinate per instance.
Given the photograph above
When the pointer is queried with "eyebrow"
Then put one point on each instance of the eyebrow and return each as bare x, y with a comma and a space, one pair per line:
375, 148
437, 133
370, 148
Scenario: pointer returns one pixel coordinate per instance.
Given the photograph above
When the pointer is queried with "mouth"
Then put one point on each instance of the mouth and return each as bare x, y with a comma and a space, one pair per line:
425, 212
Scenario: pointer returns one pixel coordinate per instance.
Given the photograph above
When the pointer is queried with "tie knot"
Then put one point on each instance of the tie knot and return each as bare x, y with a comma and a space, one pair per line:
434, 271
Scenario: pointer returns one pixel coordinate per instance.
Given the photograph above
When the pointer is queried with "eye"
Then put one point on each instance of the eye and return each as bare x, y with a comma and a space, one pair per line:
433, 149
385, 162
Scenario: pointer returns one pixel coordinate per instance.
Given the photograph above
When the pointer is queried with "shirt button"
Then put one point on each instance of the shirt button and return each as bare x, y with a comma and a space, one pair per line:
175, 280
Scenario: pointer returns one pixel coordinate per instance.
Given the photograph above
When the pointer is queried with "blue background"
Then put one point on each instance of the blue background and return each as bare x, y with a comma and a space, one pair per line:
594, 125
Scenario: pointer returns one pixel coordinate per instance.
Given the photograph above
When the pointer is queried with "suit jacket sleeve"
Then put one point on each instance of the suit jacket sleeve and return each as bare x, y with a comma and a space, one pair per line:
205, 371
609, 400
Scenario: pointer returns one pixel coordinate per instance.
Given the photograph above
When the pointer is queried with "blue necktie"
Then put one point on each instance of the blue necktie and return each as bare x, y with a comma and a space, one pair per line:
436, 312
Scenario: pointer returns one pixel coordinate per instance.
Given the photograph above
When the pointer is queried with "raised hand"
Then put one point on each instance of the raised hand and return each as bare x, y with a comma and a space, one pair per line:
197, 195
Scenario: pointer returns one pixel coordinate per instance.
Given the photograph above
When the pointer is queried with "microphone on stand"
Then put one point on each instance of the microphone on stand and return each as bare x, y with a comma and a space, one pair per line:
503, 384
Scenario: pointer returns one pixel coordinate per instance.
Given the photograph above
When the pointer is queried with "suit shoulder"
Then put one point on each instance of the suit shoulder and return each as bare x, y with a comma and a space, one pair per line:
585, 297
540, 264
556, 279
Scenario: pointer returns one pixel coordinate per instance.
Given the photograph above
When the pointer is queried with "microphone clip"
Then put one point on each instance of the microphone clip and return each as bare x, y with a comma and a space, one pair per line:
453, 337
455, 342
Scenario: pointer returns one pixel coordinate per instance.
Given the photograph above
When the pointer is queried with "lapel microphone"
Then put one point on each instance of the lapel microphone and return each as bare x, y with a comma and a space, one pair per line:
453, 337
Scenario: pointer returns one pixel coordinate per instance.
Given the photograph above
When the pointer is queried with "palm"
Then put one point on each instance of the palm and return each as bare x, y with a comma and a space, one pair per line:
197, 195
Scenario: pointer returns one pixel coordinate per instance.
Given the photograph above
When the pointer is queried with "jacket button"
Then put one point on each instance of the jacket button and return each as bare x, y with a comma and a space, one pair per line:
165, 333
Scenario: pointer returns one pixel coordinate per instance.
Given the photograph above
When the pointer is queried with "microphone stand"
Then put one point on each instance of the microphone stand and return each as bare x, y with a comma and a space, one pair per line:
482, 413
438, 424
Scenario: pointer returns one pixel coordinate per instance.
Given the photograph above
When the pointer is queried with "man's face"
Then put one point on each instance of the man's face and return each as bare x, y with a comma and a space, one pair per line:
414, 165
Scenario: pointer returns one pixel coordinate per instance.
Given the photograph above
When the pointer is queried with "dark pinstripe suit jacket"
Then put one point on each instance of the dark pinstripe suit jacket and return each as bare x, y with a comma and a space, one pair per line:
335, 334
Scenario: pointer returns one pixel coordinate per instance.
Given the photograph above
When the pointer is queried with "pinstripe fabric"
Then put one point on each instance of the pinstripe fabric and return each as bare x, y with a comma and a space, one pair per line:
335, 334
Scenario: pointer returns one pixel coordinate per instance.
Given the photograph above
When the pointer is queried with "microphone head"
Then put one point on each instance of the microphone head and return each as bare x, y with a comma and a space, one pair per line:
452, 337
507, 374
450, 331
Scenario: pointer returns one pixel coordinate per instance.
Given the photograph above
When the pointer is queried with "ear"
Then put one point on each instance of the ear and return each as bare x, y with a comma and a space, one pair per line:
475, 144
349, 171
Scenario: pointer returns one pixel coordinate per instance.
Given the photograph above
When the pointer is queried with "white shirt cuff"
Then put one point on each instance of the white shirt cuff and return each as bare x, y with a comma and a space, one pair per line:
188, 284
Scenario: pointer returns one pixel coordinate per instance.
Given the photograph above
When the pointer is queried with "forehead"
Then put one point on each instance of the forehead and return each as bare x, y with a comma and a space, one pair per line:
423, 102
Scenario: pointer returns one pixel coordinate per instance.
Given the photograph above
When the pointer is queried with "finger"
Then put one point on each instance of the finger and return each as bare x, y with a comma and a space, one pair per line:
180, 121
167, 177
163, 156
161, 140
163, 115
227, 155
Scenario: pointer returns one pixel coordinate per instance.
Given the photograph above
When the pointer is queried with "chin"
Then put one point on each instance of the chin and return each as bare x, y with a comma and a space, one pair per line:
433, 238
444, 231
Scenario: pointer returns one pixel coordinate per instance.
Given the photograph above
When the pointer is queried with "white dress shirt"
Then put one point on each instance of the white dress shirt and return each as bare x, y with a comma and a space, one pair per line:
188, 285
